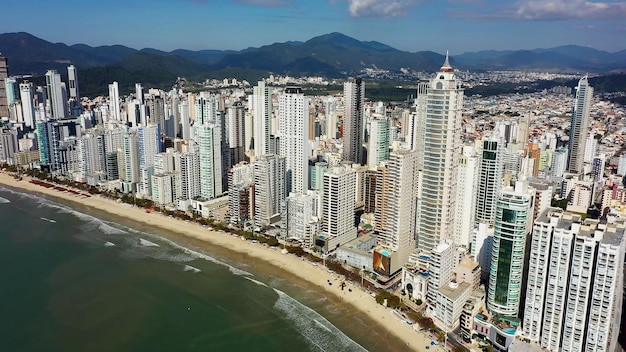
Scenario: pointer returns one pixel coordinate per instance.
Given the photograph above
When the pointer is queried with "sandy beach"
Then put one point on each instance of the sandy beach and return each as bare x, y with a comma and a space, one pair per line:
317, 275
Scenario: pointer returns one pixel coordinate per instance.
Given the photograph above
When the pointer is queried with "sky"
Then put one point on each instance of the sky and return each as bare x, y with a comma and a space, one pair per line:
412, 25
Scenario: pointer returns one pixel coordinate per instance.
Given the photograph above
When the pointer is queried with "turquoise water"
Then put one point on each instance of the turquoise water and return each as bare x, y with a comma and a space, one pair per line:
77, 282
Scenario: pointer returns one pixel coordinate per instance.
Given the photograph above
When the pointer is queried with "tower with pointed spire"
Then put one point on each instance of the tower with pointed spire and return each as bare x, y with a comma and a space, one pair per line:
578, 127
437, 138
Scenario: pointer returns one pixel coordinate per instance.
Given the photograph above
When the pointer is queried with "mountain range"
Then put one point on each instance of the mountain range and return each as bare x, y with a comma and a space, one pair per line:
331, 55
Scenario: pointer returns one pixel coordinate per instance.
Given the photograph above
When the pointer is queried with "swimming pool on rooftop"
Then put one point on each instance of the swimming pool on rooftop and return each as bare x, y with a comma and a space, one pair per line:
385, 253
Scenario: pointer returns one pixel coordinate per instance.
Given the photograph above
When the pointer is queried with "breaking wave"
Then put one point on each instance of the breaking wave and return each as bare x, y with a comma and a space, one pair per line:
319, 332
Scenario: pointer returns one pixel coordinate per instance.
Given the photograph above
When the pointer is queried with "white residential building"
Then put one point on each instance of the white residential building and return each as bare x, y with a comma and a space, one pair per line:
436, 137
338, 205
466, 197
293, 108
575, 283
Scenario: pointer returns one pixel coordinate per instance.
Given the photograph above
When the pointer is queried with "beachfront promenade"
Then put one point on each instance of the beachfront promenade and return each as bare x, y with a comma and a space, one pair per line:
357, 297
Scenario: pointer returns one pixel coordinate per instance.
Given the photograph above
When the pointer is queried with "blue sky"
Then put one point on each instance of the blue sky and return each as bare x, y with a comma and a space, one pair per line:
412, 25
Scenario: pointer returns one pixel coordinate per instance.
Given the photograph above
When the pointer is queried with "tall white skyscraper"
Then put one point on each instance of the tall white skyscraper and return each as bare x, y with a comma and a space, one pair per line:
262, 106
338, 204
575, 283
114, 102
293, 108
148, 138
514, 212
56, 94
206, 109
578, 127
27, 101
353, 120
130, 158
72, 79
378, 149
437, 139
189, 169
208, 139
396, 202
466, 196
269, 188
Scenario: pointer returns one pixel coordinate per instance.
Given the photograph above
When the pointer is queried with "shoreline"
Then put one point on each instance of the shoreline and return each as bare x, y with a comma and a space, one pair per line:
358, 299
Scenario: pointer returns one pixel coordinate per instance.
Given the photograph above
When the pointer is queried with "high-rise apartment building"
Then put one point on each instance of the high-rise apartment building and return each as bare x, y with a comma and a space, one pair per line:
514, 212
130, 155
208, 138
578, 127
27, 100
293, 111
149, 141
575, 283
466, 196
269, 188
489, 180
114, 102
262, 106
4, 73
353, 120
338, 204
437, 139
189, 169
74, 93
57, 95
378, 140
396, 203
236, 128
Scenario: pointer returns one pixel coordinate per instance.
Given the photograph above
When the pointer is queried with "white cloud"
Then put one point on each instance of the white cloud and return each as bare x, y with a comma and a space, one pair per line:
569, 9
544, 10
380, 8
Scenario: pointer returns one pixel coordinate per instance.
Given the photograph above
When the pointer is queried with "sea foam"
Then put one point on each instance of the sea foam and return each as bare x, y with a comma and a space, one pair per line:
4, 201
255, 281
193, 269
318, 331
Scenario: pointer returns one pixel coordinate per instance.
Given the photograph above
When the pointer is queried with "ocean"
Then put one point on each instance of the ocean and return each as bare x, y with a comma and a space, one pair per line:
74, 279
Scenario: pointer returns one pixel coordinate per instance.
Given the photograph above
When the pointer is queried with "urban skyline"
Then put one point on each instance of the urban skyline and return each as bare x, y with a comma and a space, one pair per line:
192, 24
300, 186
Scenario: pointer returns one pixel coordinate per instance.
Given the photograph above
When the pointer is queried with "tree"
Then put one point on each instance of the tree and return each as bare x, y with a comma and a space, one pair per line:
442, 336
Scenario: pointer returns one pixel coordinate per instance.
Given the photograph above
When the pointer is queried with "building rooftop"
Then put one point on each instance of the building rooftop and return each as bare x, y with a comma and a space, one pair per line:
453, 292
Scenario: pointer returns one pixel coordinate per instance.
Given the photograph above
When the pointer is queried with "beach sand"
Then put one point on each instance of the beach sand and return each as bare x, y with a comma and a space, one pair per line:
316, 275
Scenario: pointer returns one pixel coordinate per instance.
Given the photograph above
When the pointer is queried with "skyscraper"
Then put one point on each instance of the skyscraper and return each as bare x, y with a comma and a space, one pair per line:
338, 203
489, 180
114, 102
293, 108
396, 194
575, 283
437, 139
466, 196
262, 107
578, 127
353, 120
57, 95
378, 149
4, 73
269, 188
72, 80
209, 149
512, 224
28, 107
236, 128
